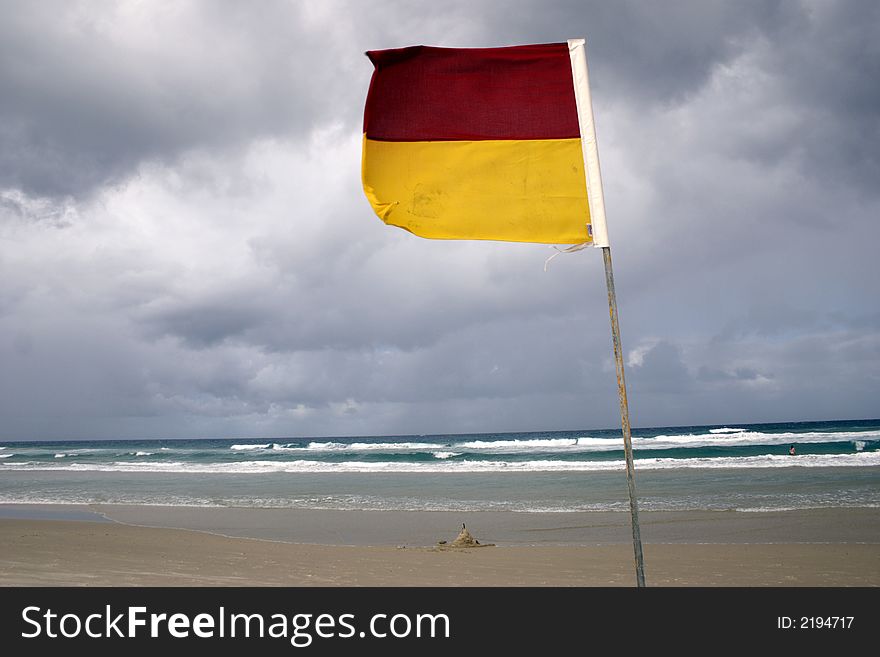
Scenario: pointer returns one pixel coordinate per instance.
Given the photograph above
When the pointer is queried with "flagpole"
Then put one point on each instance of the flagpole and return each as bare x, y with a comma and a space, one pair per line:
624, 419
599, 237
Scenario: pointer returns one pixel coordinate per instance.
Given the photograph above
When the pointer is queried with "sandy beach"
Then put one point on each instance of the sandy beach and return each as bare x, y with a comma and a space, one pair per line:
835, 547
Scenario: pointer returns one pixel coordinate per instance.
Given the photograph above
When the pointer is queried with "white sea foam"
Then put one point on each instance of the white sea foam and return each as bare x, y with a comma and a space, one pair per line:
518, 445
721, 437
6, 456
370, 447
749, 438
728, 437
858, 459
143, 453
392, 446
60, 455
325, 447
445, 455
859, 445
331, 446
371, 503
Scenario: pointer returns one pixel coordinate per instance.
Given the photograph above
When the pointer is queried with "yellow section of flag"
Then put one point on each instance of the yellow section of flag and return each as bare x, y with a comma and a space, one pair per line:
512, 190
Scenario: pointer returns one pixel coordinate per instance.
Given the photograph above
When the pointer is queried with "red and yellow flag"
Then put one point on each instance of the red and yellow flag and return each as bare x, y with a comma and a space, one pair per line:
480, 143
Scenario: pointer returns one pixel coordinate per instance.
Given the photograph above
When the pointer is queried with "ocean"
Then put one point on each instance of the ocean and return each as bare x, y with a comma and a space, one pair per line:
743, 467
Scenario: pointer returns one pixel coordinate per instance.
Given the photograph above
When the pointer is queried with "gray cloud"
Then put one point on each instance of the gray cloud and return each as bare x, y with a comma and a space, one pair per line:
185, 249
660, 370
90, 91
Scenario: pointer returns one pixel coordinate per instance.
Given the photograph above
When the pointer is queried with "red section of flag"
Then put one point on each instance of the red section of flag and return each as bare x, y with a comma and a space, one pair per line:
422, 93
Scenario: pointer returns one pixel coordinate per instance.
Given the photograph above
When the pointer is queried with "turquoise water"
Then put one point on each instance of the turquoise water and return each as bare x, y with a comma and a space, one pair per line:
737, 466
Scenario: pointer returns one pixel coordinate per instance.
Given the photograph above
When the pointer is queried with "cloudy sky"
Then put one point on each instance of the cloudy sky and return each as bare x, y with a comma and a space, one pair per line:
185, 249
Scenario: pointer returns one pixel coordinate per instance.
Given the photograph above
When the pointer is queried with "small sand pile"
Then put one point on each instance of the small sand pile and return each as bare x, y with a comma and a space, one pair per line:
464, 540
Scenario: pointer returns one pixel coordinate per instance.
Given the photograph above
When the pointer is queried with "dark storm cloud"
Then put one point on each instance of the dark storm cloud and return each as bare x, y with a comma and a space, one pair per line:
825, 64
661, 369
205, 323
648, 51
739, 374
91, 90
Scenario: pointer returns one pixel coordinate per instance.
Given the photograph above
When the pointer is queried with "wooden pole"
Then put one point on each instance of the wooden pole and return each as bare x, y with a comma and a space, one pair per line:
624, 419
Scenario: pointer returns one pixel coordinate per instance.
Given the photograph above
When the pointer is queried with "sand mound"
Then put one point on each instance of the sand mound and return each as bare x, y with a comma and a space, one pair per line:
464, 540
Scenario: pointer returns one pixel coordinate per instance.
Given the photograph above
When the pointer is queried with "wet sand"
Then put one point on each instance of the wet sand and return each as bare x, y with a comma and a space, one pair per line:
509, 529
162, 546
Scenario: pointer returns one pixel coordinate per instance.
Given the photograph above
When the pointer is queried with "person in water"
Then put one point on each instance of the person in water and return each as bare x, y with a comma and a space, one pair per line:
791, 450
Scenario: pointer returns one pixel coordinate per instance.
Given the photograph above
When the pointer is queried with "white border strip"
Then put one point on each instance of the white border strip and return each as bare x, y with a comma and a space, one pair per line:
595, 198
